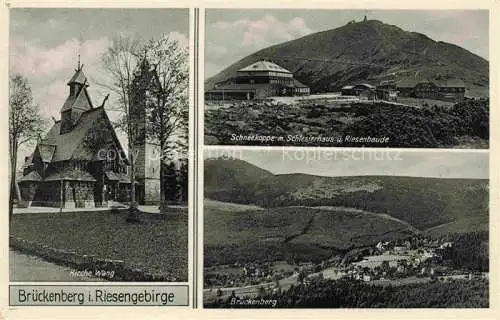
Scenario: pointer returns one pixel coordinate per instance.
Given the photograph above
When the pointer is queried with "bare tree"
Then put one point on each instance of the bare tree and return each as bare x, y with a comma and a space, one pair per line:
120, 63
168, 110
25, 125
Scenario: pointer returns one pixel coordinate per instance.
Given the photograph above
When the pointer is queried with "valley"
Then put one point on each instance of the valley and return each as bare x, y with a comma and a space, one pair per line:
290, 230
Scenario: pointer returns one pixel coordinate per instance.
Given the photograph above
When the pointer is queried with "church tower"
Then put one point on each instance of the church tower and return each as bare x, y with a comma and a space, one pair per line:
146, 153
77, 102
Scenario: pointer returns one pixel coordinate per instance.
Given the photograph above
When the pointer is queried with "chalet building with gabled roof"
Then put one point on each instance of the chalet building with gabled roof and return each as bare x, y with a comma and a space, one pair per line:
80, 163
447, 90
364, 91
258, 81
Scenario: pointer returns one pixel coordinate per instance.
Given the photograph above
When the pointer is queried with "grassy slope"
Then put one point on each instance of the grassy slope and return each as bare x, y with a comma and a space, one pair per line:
329, 229
422, 202
209, 204
300, 232
230, 178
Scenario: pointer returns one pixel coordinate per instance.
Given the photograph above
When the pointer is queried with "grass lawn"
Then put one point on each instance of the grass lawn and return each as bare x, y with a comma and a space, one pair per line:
159, 243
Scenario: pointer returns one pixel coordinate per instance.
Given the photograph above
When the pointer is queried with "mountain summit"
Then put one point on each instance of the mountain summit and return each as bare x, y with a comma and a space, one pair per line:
369, 51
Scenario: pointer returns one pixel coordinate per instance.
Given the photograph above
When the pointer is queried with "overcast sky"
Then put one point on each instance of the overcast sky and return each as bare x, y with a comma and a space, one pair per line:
45, 42
349, 162
233, 34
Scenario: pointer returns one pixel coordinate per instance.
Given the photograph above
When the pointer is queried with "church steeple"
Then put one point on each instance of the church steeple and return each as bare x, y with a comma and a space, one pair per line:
145, 66
78, 81
77, 102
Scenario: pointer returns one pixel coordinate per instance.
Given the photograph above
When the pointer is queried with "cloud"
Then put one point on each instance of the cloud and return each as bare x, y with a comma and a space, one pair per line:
264, 31
50, 98
48, 69
228, 41
21, 22
180, 37
34, 61
213, 48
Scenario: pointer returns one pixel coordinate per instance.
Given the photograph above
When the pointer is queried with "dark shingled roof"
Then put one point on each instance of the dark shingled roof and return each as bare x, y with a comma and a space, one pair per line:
264, 66
298, 84
46, 151
80, 101
124, 178
112, 176
67, 143
78, 77
32, 176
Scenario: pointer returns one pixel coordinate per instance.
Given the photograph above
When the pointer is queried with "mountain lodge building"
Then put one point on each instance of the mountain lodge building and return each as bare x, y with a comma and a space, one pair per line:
258, 81
450, 90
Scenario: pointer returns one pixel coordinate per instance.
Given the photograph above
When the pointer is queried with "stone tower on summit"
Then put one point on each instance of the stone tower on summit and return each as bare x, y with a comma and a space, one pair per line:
146, 153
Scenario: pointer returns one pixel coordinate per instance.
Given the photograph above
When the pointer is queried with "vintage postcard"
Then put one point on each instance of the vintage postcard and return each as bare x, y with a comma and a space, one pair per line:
98, 144
347, 78
252, 160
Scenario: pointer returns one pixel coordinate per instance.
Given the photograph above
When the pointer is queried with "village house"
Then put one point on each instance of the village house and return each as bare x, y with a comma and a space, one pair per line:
348, 90
258, 81
80, 162
364, 91
445, 90
387, 91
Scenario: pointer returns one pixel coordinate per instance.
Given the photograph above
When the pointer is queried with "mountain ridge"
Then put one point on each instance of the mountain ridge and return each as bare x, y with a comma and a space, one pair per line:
422, 202
369, 51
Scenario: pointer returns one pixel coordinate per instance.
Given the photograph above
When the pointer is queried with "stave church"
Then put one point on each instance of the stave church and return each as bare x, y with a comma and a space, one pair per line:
80, 162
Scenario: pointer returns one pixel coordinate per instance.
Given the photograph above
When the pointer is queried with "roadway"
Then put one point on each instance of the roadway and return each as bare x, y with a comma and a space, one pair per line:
26, 268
